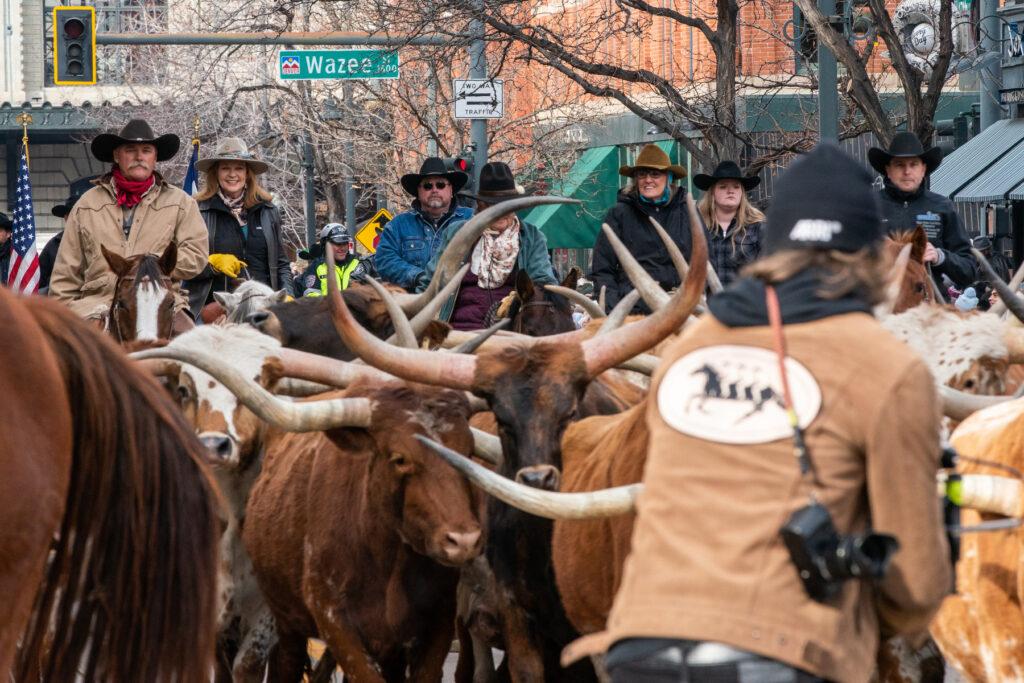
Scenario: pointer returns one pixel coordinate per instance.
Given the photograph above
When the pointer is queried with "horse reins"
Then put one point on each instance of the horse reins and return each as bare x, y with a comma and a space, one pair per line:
519, 315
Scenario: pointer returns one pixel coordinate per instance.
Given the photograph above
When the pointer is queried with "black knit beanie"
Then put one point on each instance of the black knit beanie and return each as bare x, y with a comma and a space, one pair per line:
823, 201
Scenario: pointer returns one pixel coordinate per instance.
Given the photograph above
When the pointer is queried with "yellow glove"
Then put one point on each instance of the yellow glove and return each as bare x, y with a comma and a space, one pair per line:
227, 264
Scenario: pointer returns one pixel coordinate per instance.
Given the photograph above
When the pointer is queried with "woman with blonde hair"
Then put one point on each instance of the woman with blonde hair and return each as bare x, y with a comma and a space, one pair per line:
732, 225
244, 226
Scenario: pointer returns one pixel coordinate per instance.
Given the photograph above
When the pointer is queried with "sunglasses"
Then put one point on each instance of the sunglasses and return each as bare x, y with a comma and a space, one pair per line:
439, 184
649, 173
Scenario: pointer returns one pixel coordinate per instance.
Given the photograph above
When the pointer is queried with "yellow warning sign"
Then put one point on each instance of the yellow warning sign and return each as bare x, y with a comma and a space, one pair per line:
369, 234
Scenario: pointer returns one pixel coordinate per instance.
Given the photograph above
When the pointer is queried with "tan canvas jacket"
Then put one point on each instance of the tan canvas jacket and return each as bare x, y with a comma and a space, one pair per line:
81, 277
707, 561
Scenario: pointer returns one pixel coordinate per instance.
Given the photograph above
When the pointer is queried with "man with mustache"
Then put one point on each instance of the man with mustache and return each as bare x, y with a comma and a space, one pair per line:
410, 239
131, 210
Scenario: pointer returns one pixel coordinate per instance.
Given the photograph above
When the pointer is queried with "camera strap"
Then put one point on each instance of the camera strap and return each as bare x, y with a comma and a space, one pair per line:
803, 458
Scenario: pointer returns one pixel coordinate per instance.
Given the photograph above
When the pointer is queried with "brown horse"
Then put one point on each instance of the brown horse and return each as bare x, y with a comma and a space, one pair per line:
143, 305
915, 288
108, 531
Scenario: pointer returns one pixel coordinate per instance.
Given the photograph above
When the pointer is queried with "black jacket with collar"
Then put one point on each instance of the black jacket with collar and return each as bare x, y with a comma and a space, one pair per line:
268, 264
904, 211
629, 219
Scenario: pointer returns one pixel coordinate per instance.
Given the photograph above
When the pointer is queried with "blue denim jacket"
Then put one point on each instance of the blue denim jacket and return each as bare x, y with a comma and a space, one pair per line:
409, 241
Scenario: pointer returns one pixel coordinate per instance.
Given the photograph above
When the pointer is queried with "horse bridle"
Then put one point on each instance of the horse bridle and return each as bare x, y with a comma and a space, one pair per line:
518, 328
116, 305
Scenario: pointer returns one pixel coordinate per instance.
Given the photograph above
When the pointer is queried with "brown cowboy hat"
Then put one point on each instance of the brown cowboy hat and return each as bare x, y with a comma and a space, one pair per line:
904, 146
232, 149
135, 131
652, 156
497, 184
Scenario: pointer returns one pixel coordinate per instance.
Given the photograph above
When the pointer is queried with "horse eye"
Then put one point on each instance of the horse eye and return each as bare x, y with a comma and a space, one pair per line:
183, 393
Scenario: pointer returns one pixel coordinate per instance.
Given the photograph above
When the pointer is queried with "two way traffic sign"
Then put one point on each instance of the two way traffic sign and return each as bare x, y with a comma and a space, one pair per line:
479, 98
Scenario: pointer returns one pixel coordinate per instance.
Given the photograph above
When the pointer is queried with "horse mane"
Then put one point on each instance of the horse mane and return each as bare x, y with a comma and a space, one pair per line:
129, 592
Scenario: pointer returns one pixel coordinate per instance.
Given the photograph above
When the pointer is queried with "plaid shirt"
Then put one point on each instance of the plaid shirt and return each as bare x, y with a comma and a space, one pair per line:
729, 252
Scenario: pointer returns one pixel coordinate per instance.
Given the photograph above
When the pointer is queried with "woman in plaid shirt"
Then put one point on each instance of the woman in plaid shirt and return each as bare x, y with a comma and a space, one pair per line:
732, 223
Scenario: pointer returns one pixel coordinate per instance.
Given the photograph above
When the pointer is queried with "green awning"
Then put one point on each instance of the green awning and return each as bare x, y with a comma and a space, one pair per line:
593, 179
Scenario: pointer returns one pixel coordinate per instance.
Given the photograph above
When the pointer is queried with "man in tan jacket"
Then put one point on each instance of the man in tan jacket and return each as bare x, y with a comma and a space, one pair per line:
130, 211
710, 591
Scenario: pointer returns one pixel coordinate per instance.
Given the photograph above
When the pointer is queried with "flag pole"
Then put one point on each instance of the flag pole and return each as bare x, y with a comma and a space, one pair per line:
24, 118
195, 131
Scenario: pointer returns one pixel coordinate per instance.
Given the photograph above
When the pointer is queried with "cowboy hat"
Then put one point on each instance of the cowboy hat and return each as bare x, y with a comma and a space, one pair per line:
726, 170
904, 146
135, 131
433, 166
232, 149
497, 184
652, 156
75, 192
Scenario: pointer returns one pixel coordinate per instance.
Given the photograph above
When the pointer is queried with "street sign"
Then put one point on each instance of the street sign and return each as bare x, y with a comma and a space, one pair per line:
309, 65
479, 98
369, 234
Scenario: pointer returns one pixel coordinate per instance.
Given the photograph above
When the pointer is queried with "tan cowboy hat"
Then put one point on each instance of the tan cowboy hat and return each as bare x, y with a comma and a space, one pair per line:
135, 131
652, 156
232, 149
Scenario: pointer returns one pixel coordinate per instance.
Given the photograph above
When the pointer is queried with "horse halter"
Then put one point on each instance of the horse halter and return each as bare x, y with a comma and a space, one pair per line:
518, 328
113, 319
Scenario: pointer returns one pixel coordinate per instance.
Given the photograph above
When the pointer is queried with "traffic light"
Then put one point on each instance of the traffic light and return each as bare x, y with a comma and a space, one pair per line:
464, 162
74, 45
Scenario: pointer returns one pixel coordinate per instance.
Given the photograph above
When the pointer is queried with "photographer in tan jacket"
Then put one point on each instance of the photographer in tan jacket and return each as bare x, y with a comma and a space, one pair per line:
130, 211
711, 591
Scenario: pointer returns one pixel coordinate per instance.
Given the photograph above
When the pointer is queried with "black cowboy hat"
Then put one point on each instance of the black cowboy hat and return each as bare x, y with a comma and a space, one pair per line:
434, 166
497, 184
726, 170
75, 192
904, 146
135, 131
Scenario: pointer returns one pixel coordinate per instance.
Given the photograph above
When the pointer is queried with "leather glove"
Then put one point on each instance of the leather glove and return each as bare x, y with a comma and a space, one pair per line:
228, 264
422, 280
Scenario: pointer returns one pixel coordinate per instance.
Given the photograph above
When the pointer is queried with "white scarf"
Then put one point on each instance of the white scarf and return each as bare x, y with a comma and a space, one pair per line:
495, 255
235, 206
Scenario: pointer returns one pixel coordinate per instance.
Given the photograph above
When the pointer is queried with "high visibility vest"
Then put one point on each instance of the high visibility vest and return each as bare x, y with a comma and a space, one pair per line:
341, 272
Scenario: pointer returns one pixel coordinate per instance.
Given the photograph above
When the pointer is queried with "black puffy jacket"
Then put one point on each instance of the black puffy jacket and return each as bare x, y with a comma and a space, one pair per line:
629, 220
905, 211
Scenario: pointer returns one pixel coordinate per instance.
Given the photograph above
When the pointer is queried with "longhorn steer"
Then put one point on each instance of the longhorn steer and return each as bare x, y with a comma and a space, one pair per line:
534, 388
355, 534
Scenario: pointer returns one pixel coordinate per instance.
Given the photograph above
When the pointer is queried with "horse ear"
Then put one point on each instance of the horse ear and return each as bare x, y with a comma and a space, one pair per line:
227, 300
920, 243
117, 263
572, 278
524, 286
279, 296
169, 258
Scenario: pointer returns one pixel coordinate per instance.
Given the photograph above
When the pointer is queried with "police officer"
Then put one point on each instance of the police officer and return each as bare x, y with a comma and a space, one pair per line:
714, 587
347, 267
906, 205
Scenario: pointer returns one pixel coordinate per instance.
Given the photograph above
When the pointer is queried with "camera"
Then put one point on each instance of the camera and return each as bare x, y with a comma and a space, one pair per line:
825, 560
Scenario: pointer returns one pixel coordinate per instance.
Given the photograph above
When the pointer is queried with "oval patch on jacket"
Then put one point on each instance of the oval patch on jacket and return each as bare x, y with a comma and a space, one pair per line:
733, 394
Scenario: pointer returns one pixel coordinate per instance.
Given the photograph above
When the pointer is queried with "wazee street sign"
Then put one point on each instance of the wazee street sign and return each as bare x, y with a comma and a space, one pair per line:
369, 235
307, 65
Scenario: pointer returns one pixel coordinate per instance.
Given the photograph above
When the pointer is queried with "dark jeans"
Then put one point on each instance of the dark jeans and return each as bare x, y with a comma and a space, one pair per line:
659, 660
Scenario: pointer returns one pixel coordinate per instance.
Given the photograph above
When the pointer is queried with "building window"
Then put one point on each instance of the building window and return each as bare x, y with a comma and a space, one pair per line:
805, 41
120, 64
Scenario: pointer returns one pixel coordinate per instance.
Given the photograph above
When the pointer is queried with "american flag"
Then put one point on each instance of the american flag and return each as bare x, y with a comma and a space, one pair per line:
191, 184
23, 276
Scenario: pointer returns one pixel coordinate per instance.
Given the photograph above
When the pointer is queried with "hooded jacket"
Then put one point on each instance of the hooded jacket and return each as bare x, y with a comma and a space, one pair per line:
262, 249
707, 561
410, 240
630, 220
81, 277
904, 211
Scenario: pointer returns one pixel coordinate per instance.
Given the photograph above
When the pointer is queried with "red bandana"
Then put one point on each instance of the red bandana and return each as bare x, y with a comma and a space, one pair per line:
129, 192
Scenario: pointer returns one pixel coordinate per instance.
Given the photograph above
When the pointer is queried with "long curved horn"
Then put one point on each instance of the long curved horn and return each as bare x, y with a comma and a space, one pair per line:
300, 388
466, 236
454, 370
892, 290
1015, 282
473, 344
593, 504
287, 415
1013, 337
654, 296
404, 335
602, 300
619, 313
310, 367
959, 405
645, 364
608, 350
581, 300
487, 447
420, 321
987, 493
1009, 298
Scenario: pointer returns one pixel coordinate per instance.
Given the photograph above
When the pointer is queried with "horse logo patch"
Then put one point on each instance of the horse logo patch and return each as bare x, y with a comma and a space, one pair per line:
733, 394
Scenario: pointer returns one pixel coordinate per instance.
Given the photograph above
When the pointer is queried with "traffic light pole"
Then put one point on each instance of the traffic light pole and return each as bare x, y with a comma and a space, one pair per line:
350, 160
268, 38
478, 69
828, 88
